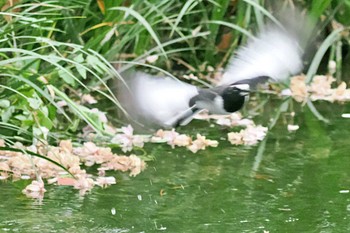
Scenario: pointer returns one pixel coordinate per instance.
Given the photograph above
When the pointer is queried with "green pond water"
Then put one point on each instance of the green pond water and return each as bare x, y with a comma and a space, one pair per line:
300, 183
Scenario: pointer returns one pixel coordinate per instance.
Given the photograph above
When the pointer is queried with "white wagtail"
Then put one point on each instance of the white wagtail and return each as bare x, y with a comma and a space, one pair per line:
274, 54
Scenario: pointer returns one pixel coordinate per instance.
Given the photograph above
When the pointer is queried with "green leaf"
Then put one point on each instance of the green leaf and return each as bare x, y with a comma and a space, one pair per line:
79, 58
21, 117
96, 63
4, 103
318, 7
80, 68
44, 120
7, 114
67, 77
34, 103
40, 132
75, 124
82, 71
52, 112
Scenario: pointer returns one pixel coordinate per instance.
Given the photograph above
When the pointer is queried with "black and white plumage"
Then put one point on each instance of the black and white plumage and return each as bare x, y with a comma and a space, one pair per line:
273, 54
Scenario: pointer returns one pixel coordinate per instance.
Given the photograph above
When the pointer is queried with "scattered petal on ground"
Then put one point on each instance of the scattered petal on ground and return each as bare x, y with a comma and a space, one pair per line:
182, 140
101, 115
127, 140
152, 58
319, 89
298, 88
235, 138
173, 138
68, 181
190, 77
87, 98
84, 184
230, 120
35, 190
17, 165
201, 143
248, 136
253, 134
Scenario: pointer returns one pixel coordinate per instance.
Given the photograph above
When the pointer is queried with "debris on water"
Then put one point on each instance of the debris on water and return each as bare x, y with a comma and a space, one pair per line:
201, 143
68, 181
173, 138
162, 192
291, 219
292, 128
105, 181
18, 165
161, 228
319, 89
127, 140
285, 209
248, 136
35, 190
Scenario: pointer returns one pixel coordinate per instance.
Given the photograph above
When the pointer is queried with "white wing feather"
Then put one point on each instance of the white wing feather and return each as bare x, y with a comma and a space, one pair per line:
274, 53
161, 99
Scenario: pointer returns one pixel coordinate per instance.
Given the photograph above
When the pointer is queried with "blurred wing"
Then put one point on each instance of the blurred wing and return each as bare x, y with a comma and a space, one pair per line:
157, 100
274, 53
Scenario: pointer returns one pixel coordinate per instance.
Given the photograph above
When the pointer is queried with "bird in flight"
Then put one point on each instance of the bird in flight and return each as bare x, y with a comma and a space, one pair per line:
274, 54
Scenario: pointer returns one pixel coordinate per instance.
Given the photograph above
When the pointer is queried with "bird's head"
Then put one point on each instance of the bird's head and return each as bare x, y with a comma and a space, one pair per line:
234, 96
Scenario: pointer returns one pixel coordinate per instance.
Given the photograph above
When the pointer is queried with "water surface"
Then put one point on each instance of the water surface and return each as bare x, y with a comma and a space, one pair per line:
300, 183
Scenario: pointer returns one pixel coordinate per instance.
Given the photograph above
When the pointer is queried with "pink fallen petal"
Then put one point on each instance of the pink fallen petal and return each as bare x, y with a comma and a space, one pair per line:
35, 190
66, 181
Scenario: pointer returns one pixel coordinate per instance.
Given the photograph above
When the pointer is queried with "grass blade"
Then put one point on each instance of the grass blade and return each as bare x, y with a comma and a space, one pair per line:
316, 113
327, 43
264, 11
144, 22
185, 8
233, 26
